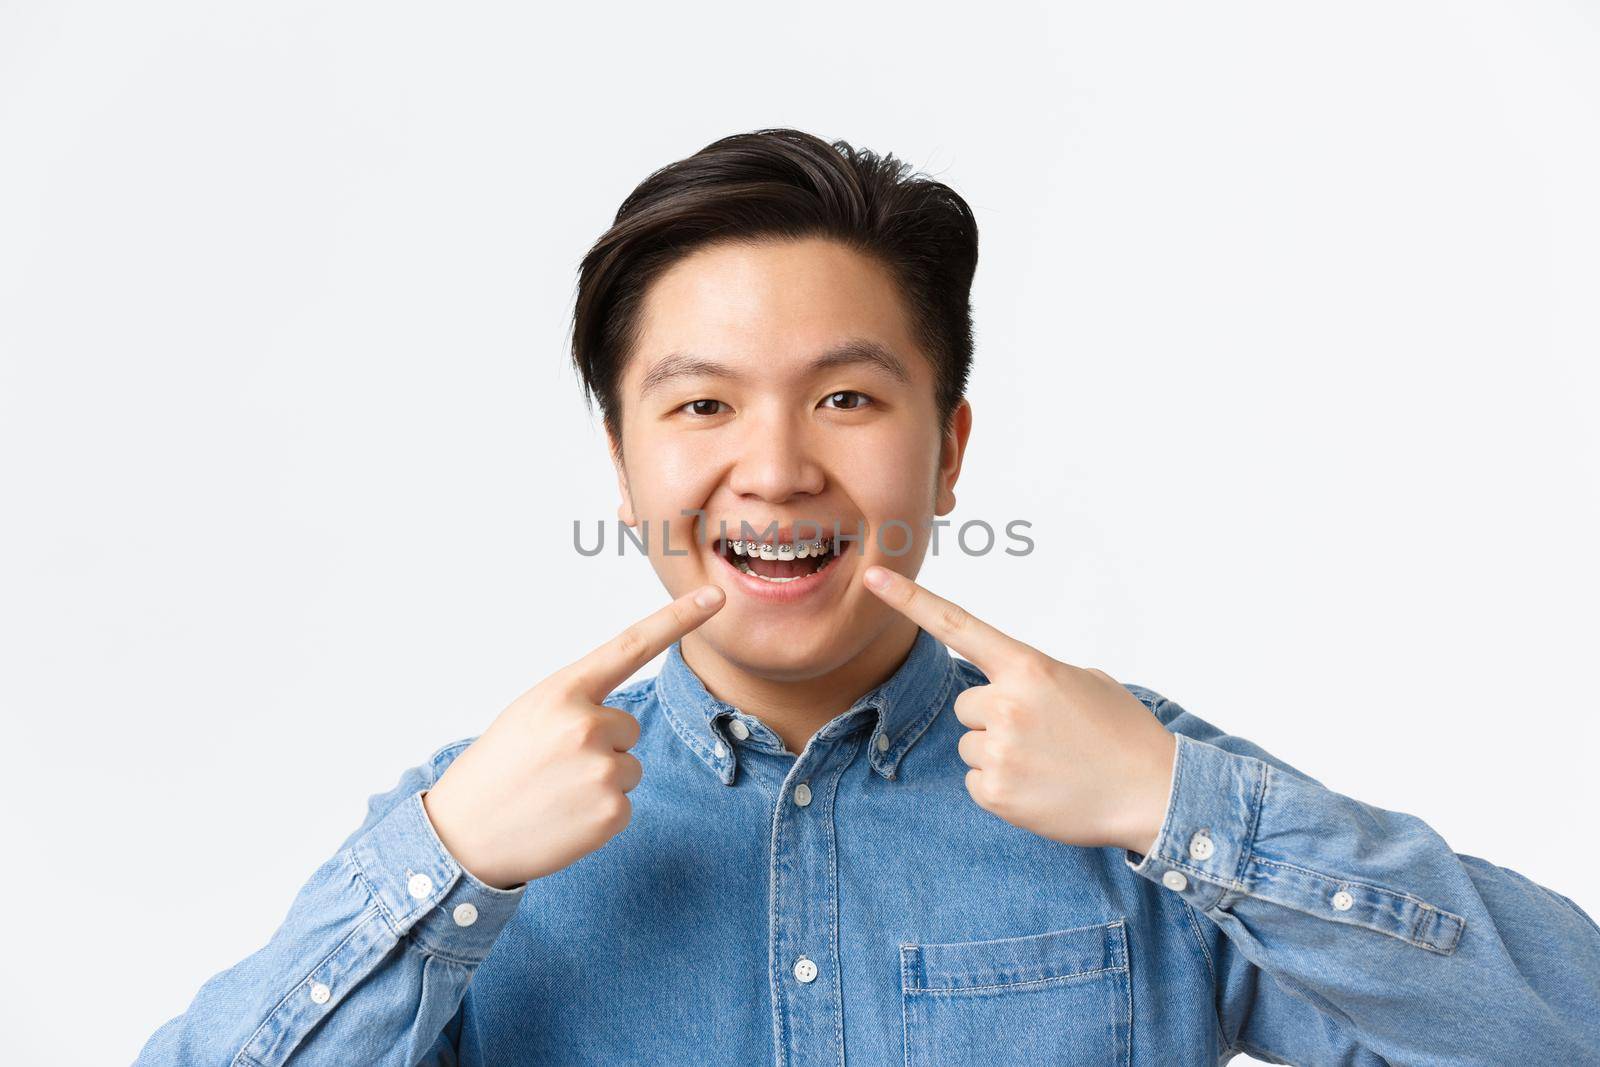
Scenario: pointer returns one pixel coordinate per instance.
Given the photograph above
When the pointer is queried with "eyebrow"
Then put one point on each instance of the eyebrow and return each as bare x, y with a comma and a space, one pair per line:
847, 353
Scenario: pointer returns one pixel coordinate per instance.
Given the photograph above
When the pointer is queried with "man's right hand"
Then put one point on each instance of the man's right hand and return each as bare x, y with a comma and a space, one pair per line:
546, 784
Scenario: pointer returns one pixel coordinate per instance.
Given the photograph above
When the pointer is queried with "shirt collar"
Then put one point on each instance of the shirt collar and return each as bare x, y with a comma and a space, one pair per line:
899, 710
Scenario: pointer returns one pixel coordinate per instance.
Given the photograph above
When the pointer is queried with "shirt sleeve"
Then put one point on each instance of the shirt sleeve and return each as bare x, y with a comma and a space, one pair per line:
1340, 932
371, 963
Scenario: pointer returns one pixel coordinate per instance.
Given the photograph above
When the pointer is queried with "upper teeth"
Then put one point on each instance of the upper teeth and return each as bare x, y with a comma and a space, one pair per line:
799, 550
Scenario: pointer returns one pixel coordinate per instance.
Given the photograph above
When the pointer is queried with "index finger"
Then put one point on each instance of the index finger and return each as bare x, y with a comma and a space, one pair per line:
958, 628
608, 666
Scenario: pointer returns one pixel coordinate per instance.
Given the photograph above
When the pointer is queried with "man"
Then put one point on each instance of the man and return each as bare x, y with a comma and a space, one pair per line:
817, 836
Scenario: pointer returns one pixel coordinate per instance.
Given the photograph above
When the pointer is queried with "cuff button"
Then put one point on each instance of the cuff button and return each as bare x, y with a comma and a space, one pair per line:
1175, 880
320, 993
1343, 900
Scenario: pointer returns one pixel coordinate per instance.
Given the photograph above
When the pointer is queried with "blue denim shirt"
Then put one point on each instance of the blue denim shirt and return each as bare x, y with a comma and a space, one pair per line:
855, 905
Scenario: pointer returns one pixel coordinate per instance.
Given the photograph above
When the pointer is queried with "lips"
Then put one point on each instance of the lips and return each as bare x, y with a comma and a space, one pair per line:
786, 581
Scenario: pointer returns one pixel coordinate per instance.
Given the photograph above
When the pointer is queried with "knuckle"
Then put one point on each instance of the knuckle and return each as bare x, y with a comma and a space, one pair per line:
552, 688
1035, 670
984, 789
632, 642
954, 617
996, 788
585, 731
975, 786
626, 735
1004, 715
600, 773
616, 811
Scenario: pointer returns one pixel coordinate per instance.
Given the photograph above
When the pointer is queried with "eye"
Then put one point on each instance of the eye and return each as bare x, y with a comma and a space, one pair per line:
849, 400
699, 407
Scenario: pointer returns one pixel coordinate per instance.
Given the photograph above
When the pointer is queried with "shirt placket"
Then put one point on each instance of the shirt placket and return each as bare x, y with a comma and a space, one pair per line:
807, 1002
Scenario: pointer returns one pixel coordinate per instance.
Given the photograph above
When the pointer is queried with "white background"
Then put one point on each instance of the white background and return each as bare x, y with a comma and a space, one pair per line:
1286, 346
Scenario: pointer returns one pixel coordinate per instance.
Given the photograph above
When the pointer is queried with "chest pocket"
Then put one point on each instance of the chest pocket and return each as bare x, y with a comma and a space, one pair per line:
1060, 997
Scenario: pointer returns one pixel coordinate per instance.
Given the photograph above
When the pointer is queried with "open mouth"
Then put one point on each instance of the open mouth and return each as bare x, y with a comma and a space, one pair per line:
777, 562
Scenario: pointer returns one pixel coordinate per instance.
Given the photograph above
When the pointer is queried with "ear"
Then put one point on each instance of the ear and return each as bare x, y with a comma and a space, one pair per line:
625, 498
952, 447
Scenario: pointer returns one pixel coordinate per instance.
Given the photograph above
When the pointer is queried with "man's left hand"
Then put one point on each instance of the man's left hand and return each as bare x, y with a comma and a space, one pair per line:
1063, 751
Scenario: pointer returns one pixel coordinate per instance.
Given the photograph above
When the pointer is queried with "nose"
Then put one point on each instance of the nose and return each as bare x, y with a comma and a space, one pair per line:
775, 461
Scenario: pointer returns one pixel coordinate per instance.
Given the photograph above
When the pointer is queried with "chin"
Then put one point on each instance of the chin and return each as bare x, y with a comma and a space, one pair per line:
771, 651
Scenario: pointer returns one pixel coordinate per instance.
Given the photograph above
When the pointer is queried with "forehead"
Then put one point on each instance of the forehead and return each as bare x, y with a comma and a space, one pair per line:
776, 303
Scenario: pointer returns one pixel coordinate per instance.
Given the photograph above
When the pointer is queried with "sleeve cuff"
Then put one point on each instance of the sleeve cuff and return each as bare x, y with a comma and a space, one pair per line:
1204, 844
424, 892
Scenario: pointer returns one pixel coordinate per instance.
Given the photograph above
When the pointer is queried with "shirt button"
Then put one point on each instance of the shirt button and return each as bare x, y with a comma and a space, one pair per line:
1174, 880
320, 993
720, 749
419, 886
1343, 900
465, 915
883, 742
802, 797
805, 970
1200, 846
739, 729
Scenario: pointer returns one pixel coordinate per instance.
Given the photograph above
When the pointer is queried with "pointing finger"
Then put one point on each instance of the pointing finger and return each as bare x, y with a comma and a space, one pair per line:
969, 635
608, 666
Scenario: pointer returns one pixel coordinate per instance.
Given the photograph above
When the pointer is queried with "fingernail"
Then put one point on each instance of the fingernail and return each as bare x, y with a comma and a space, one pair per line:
709, 597
876, 577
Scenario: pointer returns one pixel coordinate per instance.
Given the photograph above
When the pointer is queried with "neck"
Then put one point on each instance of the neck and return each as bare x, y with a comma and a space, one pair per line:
796, 708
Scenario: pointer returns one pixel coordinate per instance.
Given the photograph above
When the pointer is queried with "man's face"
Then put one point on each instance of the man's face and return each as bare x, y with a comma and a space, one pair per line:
727, 410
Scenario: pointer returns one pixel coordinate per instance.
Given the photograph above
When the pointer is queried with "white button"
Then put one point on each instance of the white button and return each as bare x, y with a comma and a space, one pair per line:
802, 794
1200, 846
1343, 900
738, 729
720, 749
883, 742
320, 993
465, 915
419, 886
805, 970
1174, 880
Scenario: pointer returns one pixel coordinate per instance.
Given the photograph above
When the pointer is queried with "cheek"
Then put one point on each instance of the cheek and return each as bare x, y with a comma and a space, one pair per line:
667, 479
899, 488
668, 476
